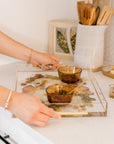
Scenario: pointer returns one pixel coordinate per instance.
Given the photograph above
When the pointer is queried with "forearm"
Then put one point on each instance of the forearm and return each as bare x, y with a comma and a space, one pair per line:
13, 48
17, 50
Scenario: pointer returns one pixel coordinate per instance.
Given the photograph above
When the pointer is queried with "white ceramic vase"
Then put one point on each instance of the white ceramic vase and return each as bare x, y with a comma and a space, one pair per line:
89, 50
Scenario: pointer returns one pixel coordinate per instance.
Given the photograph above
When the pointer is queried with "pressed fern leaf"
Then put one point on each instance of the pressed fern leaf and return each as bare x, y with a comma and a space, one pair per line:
62, 42
73, 41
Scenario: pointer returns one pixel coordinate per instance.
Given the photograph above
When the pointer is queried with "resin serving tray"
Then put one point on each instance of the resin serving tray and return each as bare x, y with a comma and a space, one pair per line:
88, 100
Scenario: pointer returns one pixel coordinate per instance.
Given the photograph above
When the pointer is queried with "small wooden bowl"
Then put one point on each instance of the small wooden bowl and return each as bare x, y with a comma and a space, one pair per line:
69, 73
59, 93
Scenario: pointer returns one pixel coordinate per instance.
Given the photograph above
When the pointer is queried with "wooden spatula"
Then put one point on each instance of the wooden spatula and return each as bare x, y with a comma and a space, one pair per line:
105, 16
96, 15
80, 5
87, 14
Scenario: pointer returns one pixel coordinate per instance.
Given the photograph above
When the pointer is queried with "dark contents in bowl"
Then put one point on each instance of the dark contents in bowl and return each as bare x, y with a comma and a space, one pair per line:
61, 92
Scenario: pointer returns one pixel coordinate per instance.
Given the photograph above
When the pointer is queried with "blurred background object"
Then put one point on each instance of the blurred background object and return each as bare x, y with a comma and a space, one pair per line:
102, 3
109, 43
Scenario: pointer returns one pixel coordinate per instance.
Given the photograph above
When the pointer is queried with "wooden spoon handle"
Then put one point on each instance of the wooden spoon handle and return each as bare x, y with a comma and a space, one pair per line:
83, 82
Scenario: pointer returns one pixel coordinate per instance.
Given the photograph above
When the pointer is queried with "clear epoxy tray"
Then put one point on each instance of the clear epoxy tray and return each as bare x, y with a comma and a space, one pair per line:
82, 104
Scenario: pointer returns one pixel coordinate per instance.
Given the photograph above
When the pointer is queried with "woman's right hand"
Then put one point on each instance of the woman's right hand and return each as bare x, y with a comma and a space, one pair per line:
29, 109
44, 60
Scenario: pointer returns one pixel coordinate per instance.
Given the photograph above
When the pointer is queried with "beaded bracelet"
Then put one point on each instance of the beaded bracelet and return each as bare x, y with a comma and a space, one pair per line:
7, 102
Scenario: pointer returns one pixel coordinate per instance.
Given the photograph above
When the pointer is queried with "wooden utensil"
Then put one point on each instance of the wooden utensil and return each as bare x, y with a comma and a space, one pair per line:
88, 14
108, 71
96, 15
80, 4
82, 83
105, 16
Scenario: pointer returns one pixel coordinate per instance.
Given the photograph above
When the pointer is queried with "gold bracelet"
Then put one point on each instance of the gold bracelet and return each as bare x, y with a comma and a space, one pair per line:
30, 56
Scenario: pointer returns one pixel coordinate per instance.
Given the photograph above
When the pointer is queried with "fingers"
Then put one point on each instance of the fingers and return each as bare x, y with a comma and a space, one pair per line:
42, 117
56, 60
44, 67
49, 66
49, 112
49, 62
39, 123
56, 66
53, 66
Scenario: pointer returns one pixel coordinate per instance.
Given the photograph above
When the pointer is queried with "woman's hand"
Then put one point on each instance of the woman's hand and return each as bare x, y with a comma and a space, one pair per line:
45, 61
29, 109
14, 49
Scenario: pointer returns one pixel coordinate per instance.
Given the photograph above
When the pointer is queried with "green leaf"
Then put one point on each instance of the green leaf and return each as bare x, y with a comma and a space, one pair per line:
62, 42
73, 41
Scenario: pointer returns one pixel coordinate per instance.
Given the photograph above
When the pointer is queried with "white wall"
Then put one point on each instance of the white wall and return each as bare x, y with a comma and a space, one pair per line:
27, 20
